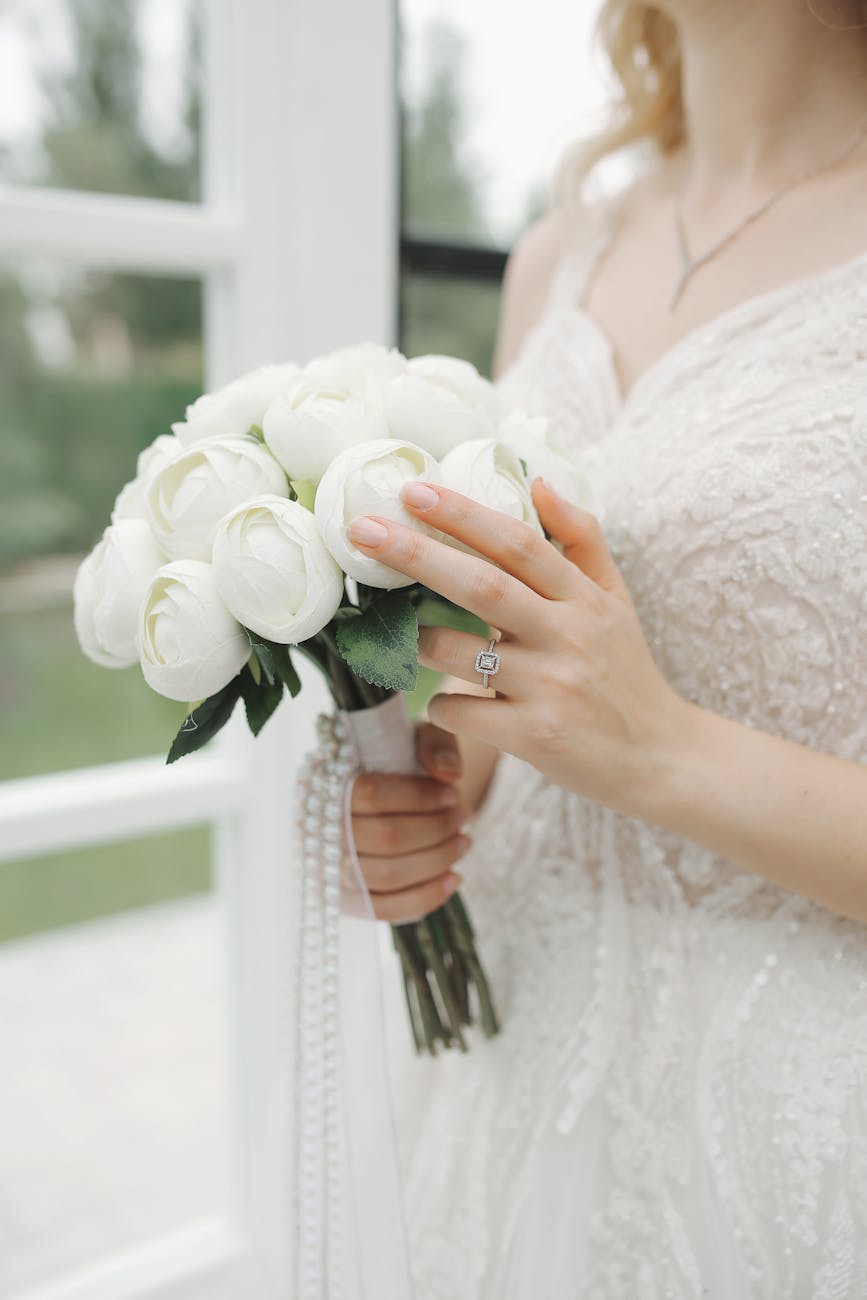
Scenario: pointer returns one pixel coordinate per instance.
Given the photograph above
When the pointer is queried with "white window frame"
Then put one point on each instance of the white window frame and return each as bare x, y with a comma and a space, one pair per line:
296, 240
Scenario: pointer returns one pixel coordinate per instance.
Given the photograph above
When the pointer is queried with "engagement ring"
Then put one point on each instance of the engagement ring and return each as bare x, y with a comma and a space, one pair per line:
488, 661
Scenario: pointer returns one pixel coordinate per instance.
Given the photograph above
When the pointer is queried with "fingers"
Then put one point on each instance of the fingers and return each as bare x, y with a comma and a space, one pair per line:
400, 834
448, 651
584, 545
515, 546
438, 752
469, 581
387, 874
388, 792
495, 721
412, 904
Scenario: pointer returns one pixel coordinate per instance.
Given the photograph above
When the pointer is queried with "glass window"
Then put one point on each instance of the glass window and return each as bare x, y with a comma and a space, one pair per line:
101, 95
92, 368
446, 314
113, 1092
491, 93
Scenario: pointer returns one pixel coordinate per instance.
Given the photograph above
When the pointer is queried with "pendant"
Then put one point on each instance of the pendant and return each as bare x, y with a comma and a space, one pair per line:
681, 284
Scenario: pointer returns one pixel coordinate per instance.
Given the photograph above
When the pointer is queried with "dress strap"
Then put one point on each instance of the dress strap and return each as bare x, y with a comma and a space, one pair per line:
586, 242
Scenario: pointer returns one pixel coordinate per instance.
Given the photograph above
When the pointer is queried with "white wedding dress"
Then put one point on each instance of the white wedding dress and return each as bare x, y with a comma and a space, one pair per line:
676, 1106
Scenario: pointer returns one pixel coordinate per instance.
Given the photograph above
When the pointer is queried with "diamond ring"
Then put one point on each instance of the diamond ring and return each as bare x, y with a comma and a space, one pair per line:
488, 661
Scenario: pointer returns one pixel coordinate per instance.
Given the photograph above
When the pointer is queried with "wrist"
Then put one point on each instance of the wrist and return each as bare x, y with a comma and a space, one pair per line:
673, 764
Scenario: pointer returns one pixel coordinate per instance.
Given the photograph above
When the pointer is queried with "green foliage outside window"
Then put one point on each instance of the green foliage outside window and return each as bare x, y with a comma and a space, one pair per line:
72, 422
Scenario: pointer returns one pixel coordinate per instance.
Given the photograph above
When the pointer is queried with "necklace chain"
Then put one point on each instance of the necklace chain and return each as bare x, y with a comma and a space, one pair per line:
690, 264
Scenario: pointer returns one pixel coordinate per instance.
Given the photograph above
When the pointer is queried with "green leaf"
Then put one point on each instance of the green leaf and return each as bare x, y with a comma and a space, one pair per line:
262, 651
445, 613
255, 431
260, 701
381, 645
275, 661
203, 723
523, 466
304, 491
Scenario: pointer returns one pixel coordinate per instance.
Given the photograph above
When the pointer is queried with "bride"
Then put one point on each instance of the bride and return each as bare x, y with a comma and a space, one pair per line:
667, 792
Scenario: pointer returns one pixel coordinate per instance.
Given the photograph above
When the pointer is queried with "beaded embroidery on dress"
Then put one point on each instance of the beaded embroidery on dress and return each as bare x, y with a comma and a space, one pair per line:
677, 1103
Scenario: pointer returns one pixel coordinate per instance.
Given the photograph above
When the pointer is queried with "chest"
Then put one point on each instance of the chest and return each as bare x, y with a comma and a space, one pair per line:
629, 281
732, 488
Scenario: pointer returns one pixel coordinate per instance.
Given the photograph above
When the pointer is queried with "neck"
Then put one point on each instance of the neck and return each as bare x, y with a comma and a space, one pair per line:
769, 88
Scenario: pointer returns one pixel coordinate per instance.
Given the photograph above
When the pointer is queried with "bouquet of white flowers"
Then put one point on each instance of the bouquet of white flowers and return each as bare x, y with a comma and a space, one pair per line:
229, 550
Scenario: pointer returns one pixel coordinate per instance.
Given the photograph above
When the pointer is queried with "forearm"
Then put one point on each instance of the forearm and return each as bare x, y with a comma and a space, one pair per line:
789, 813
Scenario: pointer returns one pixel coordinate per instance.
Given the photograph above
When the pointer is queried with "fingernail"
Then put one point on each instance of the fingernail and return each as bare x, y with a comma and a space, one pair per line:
451, 882
448, 795
447, 760
420, 495
367, 531
548, 487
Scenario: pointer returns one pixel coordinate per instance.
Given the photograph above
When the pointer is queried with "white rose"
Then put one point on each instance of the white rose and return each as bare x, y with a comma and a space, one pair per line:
108, 589
530, 437
359, 365
440, 402
319, 416
366, 480
189, 644
236, 407
188, 497
489, 472
130, 502
273, 570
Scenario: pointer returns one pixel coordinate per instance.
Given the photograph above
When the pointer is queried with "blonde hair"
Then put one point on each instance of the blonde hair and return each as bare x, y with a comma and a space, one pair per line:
641, 43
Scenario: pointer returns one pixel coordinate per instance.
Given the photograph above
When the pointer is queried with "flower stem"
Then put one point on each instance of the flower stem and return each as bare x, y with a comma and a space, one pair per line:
433, 1026
462, 930
431, 950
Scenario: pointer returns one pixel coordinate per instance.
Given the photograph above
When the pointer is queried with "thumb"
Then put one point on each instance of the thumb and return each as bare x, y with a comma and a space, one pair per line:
580, 534
438, 752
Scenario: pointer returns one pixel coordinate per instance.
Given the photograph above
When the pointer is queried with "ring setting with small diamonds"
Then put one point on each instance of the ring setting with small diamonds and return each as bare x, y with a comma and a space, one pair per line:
488, 661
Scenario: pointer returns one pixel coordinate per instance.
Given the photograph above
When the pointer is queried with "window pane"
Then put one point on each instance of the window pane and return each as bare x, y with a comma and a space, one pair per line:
66, 888
101, 95
491, 94
445, 314
113, 1090
92, 368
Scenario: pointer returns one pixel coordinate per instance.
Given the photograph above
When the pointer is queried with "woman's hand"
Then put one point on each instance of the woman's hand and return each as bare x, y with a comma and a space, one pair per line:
407, 830
578, 693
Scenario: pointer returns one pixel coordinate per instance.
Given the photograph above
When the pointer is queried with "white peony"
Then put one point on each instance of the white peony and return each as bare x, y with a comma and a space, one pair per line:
530, 437
319, 416
189, 644
361, 366
366, 480
236, 407
108, 589
440, 402
273, 570
188, 497
489, 472
130, 502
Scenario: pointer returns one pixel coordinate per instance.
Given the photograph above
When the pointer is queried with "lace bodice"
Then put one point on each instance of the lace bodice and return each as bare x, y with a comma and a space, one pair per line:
684, 1053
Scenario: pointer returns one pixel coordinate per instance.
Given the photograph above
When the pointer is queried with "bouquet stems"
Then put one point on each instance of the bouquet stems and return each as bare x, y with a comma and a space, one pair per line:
439, 963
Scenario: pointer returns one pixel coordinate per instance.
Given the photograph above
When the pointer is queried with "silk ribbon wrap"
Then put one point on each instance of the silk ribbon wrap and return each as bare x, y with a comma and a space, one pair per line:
350, 1239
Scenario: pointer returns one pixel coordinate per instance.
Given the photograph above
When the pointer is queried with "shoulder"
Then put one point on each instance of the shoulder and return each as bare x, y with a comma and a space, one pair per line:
527, 278
559, 234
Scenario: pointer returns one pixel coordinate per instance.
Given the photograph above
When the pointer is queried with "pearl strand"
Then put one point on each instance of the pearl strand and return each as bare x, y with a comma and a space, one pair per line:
317, 1197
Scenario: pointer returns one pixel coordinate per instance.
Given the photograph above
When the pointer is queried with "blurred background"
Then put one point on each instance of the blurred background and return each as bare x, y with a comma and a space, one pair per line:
139, 158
